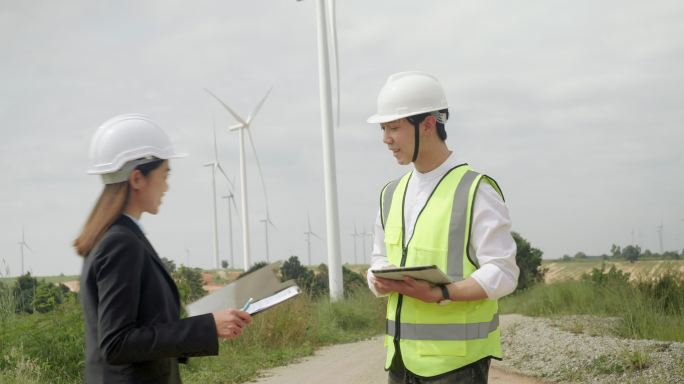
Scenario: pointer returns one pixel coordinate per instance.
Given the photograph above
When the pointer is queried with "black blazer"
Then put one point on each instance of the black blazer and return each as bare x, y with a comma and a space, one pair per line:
132, 313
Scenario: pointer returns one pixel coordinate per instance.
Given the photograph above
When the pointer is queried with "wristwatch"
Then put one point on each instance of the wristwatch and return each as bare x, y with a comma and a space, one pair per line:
445, 295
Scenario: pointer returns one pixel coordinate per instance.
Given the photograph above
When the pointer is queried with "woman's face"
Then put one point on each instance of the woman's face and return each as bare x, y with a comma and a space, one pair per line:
153, 188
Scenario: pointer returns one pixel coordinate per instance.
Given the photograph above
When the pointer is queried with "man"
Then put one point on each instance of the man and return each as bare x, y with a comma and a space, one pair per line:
446, 214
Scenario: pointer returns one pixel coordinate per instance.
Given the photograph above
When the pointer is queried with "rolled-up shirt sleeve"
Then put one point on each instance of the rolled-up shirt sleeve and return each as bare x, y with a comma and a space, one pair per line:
492, 244
378, 255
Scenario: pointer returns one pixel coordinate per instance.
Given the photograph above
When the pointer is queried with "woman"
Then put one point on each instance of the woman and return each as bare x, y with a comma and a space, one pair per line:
134, 333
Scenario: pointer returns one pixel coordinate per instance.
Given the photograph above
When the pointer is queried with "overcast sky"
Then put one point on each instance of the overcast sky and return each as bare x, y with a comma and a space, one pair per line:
574, 107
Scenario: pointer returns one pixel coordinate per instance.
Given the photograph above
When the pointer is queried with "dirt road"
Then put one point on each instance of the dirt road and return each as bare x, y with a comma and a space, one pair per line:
358, 363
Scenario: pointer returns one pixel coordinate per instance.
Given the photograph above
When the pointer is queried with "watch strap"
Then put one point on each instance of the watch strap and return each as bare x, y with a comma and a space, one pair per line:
445, 292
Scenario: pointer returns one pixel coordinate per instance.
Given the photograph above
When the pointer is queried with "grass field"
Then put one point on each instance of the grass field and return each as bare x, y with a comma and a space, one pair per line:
49, 347
573, 270
648, 308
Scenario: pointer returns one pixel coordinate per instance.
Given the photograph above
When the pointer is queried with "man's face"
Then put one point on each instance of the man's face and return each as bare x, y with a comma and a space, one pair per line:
399, 136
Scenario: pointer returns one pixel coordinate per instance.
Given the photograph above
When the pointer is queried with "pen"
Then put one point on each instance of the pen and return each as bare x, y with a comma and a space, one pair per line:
247, 304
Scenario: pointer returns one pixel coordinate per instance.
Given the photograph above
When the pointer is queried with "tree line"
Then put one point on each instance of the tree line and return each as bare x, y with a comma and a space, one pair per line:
629, 253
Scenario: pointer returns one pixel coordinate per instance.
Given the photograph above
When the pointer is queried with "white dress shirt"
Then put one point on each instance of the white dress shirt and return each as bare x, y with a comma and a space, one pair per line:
490, 237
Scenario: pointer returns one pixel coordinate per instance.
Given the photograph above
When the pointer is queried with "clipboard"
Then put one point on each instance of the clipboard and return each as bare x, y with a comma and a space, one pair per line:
429, 273
258, 285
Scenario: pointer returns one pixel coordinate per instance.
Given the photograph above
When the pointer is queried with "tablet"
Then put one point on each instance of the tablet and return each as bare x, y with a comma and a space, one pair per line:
429, 273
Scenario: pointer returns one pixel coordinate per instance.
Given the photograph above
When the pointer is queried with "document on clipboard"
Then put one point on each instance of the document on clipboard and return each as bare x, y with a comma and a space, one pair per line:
277, 298
429, 273
263, 287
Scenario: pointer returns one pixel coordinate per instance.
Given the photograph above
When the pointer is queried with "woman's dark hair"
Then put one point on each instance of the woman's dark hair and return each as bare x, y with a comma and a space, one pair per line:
146, 168
109, 206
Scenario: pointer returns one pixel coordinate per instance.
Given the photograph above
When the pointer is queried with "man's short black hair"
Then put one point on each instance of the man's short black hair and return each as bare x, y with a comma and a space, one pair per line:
441, 131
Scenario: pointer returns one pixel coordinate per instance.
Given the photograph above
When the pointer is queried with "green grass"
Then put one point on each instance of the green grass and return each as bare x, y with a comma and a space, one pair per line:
287, 333
46, 345
648, 309
49, 347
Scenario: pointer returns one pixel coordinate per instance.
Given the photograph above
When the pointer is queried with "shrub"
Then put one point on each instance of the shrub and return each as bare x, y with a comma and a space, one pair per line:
306, 279
601, 277
189, 282
47, 297
529, 260
24, 291
351, 280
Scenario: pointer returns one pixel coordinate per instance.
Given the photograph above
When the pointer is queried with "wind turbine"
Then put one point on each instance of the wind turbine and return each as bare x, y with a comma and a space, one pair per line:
231, 204
215, 165
242, 126
23, 244
355, 235
659, 229
363, 235
308, 234
267, 221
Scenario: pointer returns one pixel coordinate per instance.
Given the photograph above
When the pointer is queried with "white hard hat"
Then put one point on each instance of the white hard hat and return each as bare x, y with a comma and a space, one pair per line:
125, 141
407, 94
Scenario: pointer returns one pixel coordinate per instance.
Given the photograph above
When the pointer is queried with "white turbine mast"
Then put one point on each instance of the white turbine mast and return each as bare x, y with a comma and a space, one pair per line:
308, 235
231, 205
364, 235
243, 125
22, 245
659, 229
215, 165
355, 236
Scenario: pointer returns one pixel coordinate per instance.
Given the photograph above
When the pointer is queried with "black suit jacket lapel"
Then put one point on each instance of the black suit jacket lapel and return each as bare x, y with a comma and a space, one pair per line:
130, 224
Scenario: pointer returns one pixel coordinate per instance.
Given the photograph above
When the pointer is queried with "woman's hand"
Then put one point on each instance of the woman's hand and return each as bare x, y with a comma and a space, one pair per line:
230, 322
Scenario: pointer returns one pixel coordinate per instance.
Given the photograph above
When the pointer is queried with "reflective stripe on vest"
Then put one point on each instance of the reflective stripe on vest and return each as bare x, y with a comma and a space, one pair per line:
387, 196
470, 331
457, 227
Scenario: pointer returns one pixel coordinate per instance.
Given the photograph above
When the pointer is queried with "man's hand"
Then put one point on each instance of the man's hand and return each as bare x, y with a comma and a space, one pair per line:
418, 289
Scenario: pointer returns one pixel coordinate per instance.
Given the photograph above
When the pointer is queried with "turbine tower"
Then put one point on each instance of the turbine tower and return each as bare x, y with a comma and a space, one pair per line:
355, 235
659, 229
231, 204
215, 165
242, 126
23, 244
267, 221
363, 235
308, 234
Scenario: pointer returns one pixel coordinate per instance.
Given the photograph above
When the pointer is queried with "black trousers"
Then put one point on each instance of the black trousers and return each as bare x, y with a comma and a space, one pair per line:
475, 373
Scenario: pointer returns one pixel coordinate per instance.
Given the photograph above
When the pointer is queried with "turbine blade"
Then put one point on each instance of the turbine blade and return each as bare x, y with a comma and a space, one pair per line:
220, 168
258, 107
316, 236
213, 124
235, 115
237, 212
27, 246
261, 173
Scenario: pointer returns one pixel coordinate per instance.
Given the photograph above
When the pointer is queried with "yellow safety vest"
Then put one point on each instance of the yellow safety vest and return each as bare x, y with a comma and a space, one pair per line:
434, 338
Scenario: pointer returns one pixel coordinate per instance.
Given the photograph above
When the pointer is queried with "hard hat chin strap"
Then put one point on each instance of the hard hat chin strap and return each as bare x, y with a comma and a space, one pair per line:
417, 141
416, 120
